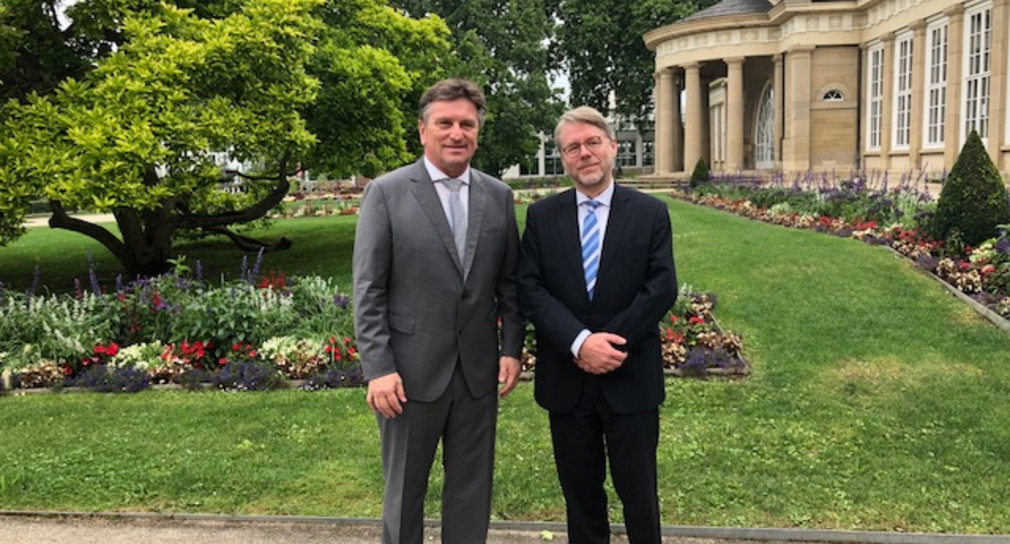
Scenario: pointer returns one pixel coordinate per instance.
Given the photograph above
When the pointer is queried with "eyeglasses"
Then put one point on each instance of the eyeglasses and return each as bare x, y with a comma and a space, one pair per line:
573, 150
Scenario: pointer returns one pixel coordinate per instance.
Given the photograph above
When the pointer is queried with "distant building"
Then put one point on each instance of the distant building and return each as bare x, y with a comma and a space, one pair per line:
874, 85
634, 152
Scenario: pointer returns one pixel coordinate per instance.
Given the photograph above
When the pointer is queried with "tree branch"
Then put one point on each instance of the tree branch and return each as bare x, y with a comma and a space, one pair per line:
256, 211
61, 220
246, 243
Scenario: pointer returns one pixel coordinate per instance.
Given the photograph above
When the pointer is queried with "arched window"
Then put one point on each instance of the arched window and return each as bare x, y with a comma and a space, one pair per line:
764, 131
833, 95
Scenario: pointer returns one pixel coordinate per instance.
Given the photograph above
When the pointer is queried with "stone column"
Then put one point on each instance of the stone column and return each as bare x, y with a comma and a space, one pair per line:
542, 159
694, 116
777, 97
998, 81
887, 102
734, 114
952, 120
664, 122
660, 118
796, 144
676, 134
916, 121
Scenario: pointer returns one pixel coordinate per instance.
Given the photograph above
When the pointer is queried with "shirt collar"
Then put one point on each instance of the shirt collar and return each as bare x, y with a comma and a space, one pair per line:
437, 174
603, 198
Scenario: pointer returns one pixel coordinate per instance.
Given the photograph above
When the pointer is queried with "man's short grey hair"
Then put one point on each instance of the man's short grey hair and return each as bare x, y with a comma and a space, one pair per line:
583, 114
451, 89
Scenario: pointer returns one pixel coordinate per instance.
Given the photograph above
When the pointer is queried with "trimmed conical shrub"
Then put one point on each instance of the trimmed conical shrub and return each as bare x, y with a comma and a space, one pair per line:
973, 200
700, 173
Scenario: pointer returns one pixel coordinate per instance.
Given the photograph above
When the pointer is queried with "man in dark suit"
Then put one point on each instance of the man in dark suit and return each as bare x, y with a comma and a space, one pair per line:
435, 255
596, 276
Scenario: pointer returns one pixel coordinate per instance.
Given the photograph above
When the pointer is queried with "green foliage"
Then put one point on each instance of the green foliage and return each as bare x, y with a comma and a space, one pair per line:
603, 51
973, 201
172, 310
501, 45
373, 63
35, 54
136, 134
700, 173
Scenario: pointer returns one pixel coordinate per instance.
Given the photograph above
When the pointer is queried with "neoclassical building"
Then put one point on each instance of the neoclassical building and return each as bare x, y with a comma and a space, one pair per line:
835, 85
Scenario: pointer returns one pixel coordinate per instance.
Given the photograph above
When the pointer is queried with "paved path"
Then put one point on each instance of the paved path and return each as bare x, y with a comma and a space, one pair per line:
33, 221
34, 530
57, 528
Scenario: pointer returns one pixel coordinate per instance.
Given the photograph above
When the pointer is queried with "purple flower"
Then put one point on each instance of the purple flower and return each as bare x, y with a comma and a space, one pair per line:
256, 266
92, 277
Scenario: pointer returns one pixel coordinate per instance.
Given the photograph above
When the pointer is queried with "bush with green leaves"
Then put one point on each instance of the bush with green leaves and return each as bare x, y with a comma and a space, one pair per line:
973, 201
700, 174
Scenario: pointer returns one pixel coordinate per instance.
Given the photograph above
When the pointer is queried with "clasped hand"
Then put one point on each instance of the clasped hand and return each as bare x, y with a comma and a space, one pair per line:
598, 354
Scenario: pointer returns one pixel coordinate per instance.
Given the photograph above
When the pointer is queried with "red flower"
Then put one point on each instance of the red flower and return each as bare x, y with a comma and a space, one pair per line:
112, 349
695, 320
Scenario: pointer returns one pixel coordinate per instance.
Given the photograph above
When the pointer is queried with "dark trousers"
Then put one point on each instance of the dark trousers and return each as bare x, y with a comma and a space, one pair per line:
583, 441
466, 427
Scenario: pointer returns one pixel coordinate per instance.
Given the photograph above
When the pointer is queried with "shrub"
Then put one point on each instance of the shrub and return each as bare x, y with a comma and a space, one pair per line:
107, 379
700, 174
974, 200
247, 376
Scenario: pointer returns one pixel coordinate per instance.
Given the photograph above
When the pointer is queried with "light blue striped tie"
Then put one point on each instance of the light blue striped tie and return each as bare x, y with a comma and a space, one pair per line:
591, 245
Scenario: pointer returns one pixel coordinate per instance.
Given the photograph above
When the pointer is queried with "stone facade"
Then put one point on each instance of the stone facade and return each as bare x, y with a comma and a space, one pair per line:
832, 86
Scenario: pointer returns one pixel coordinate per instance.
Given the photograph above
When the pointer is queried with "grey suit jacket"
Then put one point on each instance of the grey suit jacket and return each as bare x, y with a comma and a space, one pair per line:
418, 308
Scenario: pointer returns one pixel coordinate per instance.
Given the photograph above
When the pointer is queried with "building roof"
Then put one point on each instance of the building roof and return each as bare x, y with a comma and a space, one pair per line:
731, 7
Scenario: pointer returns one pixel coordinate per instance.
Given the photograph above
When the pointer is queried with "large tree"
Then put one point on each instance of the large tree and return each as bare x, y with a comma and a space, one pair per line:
503, 44
169, 91
374, 62
603, 51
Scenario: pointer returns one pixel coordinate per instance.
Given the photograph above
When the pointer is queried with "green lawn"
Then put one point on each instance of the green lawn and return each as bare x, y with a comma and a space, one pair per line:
877, 401
322, 246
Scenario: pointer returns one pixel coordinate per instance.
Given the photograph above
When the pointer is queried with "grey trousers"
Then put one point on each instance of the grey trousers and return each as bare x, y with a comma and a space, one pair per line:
466, 426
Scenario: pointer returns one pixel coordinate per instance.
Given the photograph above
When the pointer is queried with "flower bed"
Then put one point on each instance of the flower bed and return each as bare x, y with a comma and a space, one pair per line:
882, 216
693, 342
250, 333
259, 332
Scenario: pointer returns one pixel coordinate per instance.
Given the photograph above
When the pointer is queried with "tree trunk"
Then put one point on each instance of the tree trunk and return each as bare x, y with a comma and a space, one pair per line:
147, 235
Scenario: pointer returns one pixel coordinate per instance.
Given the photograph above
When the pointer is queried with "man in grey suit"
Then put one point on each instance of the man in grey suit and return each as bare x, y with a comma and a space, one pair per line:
435, 258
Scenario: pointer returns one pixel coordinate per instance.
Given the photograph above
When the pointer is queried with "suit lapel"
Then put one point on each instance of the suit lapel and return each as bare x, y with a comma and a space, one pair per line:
474, 217
617, 222
423, 189
567, 223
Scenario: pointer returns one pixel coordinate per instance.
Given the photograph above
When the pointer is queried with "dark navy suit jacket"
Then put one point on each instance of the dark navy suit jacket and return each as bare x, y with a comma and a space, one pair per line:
635, 287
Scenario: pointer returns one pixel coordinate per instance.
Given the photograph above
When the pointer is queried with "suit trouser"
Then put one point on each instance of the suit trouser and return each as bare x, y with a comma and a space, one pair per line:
466, 426
583, 440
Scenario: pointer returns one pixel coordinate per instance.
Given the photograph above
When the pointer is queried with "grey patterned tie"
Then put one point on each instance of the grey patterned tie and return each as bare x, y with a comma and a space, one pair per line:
457, 216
